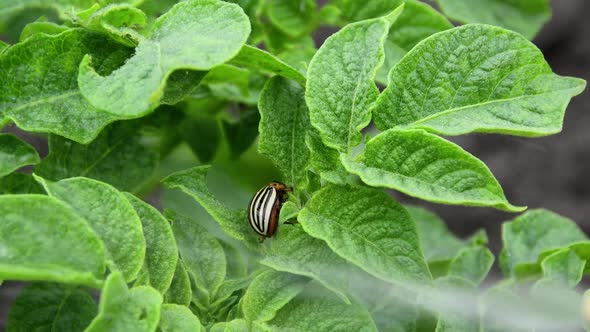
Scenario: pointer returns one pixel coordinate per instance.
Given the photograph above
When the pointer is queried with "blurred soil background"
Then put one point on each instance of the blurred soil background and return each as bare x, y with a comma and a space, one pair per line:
551, 172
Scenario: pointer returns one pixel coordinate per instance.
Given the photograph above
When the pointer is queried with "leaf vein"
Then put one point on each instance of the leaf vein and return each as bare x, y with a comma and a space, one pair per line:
45, 100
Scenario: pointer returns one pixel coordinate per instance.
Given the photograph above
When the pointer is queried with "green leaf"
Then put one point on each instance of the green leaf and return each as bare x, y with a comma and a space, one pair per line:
254, 58
563, 266
19, 183
237, 85
224, 308
299, 56
428, 167
180, 291
155, 8
236, 325
293, 18
199, 127
15, 154
60, 4
161, 253
11, 7
218, 181
227, 288
289, 210
317, 310
472, 263
118, 22
340, 89
253, 9
325, 160
46, 98
329, 14
110, 215
36, 27
268, 293
201, 253
526, 237
113, 94
193, 182
12, 23
368, 228
417, 22
237, 265
176, 318
181, 84
229, 83
194, 34
241, 134
42, 239
436, 241
441, 247
54, 307
233, 313
523, 16
396, 315
284, 121
228, 77
116, 157
353, 10
84, 14
294, 251
278, 42
122, 309
476, 78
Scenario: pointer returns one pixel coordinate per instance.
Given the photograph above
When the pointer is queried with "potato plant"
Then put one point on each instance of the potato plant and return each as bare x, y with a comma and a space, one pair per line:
163, 118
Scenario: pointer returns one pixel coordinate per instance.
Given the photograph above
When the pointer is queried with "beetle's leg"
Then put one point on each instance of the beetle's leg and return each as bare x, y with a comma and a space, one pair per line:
261, 239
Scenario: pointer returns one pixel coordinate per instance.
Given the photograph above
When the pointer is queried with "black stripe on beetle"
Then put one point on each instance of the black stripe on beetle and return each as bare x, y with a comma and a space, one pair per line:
265, 207
252, 212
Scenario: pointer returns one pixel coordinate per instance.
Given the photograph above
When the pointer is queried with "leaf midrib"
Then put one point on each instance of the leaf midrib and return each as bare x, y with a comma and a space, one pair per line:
51, 99
60, 307
422, 182
498, 101
104, 155
352, 112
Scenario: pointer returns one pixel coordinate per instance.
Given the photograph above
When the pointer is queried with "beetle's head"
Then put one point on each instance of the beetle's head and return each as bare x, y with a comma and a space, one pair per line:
279, 186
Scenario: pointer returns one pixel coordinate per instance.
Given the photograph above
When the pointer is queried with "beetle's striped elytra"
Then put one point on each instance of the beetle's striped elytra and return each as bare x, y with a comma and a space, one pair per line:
265, 207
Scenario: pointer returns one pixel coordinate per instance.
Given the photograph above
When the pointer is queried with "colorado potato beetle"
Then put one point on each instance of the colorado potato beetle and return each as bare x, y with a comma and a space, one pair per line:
265, 207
